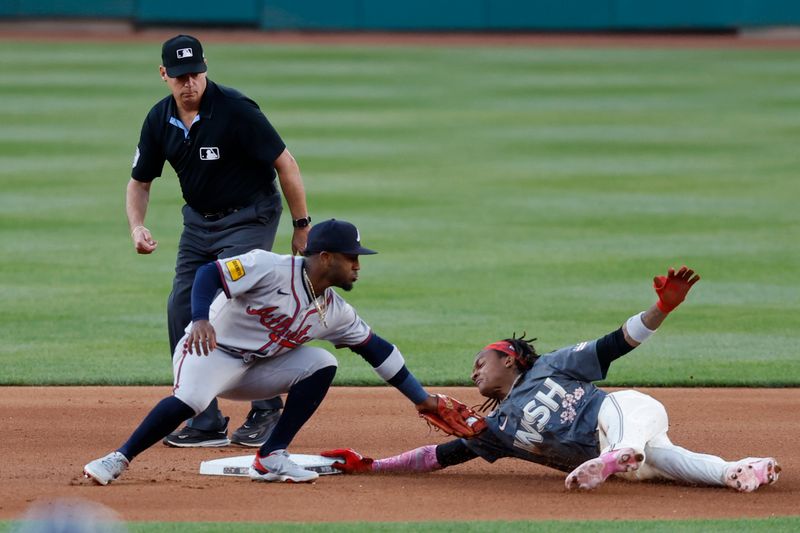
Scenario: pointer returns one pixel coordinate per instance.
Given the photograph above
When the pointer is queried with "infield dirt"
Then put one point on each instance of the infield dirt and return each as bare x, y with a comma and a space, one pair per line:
51, 432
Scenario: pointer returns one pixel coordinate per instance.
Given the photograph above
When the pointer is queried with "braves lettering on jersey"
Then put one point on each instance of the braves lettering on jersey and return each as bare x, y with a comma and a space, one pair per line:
267, 311
550, 415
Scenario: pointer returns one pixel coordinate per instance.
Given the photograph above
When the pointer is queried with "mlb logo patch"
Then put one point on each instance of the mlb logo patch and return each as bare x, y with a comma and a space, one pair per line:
209, 153
183, 53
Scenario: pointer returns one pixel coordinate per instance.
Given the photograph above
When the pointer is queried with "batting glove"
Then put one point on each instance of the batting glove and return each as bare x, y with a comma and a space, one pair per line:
673, 287
349, 461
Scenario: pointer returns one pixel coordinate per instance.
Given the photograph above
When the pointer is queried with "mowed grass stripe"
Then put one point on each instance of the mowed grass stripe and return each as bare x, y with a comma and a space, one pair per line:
507, 189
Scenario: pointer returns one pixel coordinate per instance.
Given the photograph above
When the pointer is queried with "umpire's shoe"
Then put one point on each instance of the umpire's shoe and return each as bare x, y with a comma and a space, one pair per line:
189, 437
257, 428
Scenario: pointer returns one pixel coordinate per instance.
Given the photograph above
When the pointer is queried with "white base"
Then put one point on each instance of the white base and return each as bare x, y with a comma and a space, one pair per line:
240, 465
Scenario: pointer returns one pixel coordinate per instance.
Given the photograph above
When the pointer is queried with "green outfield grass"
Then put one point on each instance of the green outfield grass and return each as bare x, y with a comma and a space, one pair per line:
507, 189
771, 525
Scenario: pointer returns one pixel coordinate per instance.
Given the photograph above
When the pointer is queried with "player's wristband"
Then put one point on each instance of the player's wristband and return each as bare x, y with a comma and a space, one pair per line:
637, 330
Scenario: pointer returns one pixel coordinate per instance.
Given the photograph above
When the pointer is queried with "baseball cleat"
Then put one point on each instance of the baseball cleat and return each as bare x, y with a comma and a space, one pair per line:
257, 428
189, 437
594, 472
106, 469
278, 466
750, 473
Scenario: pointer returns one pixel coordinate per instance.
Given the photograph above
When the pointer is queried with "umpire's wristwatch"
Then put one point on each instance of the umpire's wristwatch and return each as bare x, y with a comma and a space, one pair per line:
301, 222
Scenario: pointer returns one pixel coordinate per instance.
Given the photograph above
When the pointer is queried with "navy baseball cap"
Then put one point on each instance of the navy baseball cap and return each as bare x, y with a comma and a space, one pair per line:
335, 236
183, 54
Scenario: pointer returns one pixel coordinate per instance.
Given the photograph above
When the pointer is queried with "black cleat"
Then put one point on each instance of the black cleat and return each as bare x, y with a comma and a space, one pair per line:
198, 438
257, 428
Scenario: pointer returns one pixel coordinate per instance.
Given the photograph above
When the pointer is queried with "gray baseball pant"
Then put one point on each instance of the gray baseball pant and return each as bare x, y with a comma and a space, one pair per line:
203, 241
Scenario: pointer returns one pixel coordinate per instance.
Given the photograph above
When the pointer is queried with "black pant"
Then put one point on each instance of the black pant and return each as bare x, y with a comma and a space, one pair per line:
203, 241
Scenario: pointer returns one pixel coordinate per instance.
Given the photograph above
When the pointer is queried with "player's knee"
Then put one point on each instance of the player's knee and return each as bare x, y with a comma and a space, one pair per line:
197, 404
323, 359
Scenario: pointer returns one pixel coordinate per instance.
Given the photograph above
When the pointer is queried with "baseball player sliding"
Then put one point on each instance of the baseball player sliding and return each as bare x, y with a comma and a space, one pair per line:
546, 410
249, 343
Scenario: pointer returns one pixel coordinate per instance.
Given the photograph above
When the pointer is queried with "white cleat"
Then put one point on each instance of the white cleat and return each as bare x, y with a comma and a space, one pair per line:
106, 469
278, 466
594, 472
750, 473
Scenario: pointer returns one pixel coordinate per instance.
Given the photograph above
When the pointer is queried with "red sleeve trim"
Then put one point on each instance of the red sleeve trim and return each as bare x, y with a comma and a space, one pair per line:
224, 281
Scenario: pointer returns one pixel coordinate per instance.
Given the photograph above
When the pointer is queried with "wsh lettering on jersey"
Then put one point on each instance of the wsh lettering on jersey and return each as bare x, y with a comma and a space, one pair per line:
536, 414
279, 326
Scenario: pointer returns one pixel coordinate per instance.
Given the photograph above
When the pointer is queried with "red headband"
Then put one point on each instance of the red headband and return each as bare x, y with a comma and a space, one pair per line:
508, 349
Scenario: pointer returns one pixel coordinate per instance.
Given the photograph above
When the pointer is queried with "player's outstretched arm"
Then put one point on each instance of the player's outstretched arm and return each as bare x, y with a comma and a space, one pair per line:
447, 414
419, 460
671, 290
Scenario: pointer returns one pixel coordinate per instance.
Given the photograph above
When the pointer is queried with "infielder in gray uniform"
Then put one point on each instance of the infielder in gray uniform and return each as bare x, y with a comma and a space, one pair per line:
546, 410
250, 343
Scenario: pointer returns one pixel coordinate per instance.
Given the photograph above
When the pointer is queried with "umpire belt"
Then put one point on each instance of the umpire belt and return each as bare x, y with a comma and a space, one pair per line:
211, 217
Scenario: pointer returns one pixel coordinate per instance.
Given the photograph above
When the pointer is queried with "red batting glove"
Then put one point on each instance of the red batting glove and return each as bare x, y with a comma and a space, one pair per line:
672, 288
349, 461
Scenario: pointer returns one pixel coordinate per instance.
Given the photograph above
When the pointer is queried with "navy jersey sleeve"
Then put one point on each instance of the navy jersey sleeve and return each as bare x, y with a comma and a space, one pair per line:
612, 347
256, 134
148, 161
487, 446
579, 361
590, 361
454, 452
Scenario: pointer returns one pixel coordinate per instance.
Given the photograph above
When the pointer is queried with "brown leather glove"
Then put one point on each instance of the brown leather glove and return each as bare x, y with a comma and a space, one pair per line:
454, 418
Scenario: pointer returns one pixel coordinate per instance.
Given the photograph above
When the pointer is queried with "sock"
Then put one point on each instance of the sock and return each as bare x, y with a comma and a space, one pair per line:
301, 402
162, 419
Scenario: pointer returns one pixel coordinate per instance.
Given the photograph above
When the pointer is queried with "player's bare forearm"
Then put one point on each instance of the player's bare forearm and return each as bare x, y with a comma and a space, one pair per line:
137, 198
652, 319
294, 191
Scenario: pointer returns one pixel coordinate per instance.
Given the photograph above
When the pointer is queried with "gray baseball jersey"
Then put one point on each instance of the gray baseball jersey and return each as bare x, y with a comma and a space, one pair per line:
266, 310
550, 415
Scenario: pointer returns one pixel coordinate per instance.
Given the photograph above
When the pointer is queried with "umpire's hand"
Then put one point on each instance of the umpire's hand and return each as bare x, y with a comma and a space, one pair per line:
143, 241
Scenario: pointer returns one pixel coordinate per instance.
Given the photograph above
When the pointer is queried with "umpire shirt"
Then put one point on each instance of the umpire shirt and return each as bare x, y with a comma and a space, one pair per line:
225, 160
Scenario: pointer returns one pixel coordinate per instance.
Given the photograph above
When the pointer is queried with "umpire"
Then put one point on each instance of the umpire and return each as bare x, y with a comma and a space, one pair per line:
226, 155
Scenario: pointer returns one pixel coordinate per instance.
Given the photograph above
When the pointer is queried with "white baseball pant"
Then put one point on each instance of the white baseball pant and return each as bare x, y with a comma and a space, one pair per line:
631, 419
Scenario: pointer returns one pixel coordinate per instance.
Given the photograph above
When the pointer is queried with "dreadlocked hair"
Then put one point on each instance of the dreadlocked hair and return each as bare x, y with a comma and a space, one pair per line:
524, 359
523, 347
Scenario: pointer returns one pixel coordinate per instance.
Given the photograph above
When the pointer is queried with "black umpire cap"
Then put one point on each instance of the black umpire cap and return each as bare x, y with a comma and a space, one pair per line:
183, 54
335, 236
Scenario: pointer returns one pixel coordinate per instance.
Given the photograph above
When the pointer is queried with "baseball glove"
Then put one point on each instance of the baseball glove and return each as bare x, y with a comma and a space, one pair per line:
454, 418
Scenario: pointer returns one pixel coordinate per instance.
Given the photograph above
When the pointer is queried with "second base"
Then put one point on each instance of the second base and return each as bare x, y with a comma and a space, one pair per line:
240, 465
